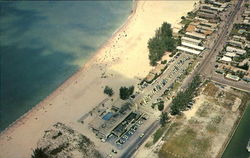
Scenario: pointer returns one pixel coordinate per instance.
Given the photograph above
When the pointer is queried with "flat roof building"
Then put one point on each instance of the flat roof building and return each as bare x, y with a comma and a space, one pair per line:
239, 38
236, 43
232, 77
201, 19
212, 25
190, 40
192, 46
205, 28
208, 11
188, 50
196, 35
230, 54
206, 15
236, 50
212, 7
226, 59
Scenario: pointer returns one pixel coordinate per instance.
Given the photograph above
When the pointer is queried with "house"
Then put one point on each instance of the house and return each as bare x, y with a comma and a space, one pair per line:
191, 40
200, 19
208, 11
205, 27
230, 54
246, 21
236, 43
195, 35
225, 59
204, 31
211, 7
188, 50
236, 50
208, 24
239, 38
232, 77
206, 15
192, 46
224, 67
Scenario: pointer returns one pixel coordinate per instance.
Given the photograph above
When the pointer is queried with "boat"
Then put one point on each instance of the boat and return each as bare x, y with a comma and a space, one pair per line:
248, 146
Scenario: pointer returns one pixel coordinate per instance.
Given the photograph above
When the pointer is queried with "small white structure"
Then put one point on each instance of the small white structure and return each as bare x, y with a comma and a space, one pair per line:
188, 50
226, 59
236, 50
192, 46
196, 35
232, 77
190, 40
230, 54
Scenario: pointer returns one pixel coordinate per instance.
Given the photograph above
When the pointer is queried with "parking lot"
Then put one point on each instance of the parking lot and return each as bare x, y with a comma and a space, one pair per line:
165, 82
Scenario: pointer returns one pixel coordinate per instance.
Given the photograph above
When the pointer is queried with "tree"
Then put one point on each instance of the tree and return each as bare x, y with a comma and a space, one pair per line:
109, 91
182, 99
161, 105
164, 118
125, 92
39, 153
162, 41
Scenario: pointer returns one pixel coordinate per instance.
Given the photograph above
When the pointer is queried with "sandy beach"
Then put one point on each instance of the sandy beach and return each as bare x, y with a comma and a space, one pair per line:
122, 61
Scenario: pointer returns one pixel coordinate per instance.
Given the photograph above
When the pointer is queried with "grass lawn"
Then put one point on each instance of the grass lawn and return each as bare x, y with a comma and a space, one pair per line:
185, 144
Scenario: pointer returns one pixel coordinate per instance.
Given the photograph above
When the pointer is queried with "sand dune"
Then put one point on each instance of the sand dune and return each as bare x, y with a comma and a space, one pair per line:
121, 61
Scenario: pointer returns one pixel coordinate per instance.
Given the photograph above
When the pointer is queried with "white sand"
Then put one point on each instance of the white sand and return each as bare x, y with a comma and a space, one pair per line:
126, 59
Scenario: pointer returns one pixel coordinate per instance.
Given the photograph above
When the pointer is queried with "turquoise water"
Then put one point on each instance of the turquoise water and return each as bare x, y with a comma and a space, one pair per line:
237, 146
44, 43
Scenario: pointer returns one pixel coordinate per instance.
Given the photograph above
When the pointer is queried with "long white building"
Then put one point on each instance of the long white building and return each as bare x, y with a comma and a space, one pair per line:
192, 46
196, 35
188, 50
236, 50
190, 40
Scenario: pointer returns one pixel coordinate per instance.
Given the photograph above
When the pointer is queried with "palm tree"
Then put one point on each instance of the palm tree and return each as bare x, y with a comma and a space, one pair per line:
39, 153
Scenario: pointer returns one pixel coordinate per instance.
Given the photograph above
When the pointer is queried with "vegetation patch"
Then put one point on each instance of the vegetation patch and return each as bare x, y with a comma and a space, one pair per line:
210, 89
185, 144
158, 134
109, 91
125, 92
162, 42
183, 98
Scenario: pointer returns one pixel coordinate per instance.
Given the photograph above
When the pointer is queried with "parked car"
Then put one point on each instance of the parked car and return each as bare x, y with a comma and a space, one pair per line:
142, 135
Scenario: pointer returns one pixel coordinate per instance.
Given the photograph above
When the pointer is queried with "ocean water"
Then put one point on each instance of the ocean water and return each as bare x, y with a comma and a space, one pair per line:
43, 43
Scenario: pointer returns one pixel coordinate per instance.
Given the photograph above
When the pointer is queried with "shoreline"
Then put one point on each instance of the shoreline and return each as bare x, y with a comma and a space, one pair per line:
69, 80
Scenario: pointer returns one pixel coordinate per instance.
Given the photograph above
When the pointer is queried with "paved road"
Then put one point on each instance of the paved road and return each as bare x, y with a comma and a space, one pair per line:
239, 85
131, 150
